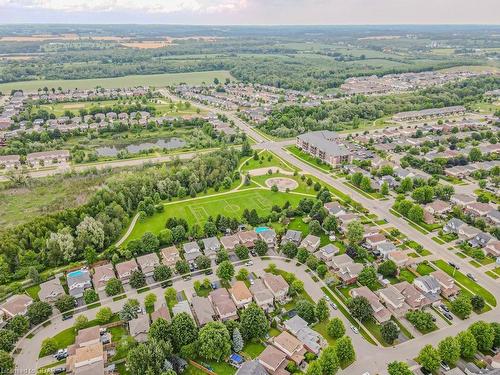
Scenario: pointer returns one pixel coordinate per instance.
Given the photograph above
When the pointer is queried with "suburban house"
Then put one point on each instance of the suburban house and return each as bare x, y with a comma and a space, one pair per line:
16, 305
247, 238
481, 239
277, 285
252, 368
413, 297
202, 310
161, 312
102, 274
262, 296
462, 199
327, 252
148, 263
240, 294
139, 328
334, 208
223, 304
269, 237
230, 242
446, 283
438, 208
429, 113
170, 255
348, 273
453, 225
345, 219
310, 243
182, 307
45, 158
466, 232
191, 251
78, 281
399, 257
478, 209
291, 346
385, 248
87, 354
211, 246
293, 236
394, 300
10, 162
125, 269
341, 260
380, 313
493, 217
374, 240
493, 248
274, 360
51, 290
429, 286
312, 340
323, 145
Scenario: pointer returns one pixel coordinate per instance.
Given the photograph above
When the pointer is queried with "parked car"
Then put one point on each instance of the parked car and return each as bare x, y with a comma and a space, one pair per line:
59, 370
354, 329
444, 308
333, 305
454, 265
66, 317
249, 263
471, 276
448, 315
444, 366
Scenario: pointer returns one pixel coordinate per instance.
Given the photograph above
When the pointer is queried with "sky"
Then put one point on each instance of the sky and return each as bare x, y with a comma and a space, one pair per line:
252, 12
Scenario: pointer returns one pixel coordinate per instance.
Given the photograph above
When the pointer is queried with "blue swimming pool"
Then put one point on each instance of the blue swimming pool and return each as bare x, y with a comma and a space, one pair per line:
75, 273
261, 229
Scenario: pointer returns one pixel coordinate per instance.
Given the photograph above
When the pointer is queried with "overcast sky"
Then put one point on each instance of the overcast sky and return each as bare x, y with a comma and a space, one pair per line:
252, 12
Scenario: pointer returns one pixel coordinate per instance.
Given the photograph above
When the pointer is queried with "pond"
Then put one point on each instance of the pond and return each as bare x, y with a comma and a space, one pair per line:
168, 144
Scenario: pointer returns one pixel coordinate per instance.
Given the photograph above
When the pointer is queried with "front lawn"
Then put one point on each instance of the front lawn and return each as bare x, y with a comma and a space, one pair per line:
424, 269
32, 291
406, 275
253, 349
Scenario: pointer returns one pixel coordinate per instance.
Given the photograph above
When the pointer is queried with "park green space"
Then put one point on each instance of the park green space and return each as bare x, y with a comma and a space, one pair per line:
266, 159
153, 80
308, 159
231, 204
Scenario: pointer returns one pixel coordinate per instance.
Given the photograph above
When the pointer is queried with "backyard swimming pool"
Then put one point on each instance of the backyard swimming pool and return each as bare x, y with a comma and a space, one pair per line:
261, 229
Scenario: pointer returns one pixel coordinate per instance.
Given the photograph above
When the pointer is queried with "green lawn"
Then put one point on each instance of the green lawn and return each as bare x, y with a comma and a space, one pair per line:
253, 349
321, 328
466, 282
117, 333
308, 159
32, 291
266, 159
198, 210
406, 275
424, 269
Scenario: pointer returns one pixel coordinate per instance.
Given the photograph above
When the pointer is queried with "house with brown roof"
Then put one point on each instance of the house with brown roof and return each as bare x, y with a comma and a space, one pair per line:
247, 238
170, 255
223, 304
262, 296
148, 263
291, 346
380, 313
277, 285
230, 242
374, 240
274, 360
310, 243
87, 336
462, 199
87, 360
102, 274
394, 300
493, 248
446, 282
161, 312
438, 207
399, 257
466, 232
478, 209
413, 297
139, 328
51, 290
349, 272
240, 294
203, 310
46, 158
125, 269
16, 305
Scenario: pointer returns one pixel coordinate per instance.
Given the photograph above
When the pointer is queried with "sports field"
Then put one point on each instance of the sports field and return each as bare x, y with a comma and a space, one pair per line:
197, 211
156, 80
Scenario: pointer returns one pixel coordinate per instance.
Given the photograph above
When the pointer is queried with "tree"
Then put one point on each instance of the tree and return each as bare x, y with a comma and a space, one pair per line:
129, 310
137, 279
182, 266
162, 273
246, 149
302, 255
241, 252
423, 194
360, 308
149, 301
314, 368
321, 270
19, 325
390, 332
150, 243
355, 232
399, 368
345, 350
406, 185
368, 277
312, 262
203, 262
335, 328
165, 237
49, 346
322, 311
329, 361
429, 358
225, 271
306, 310
449, 350
104, 315
261, 247
242, 274
477, 302
384, 189
388, 268
159, 330
423, 321
496, 329
7, 340
366, 184
222, 255
462, 306
315, 228
289, 249
416, 214
468, 344
65, 303
90, 296
90, 232
6, 363
475, 154
253, 323
214, 342
484, 335
330, 224
113, 287
34, 275
38, 312
81, 321
183, 331
62, 243
238, 342
148, 358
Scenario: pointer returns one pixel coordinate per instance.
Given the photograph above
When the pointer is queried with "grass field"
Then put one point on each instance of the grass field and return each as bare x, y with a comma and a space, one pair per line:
155, 80
197, 211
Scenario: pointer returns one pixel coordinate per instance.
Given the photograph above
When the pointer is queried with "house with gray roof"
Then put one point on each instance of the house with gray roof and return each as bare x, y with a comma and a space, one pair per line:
453, 225
291, 235
269, 237
252, 368
191, 251
311, 339
78, 281
50, 290
182, 307
385, 248
429, 287
481, 240
211, 246
203, 310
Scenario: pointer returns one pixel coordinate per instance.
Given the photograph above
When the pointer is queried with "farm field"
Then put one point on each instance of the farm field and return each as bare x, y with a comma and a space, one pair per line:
197, 211
156, 80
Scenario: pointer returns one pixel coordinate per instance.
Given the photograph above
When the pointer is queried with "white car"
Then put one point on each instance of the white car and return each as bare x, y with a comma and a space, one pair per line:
249, 263
354, 329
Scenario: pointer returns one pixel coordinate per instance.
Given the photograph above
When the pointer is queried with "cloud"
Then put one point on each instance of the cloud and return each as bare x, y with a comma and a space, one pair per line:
146, 6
